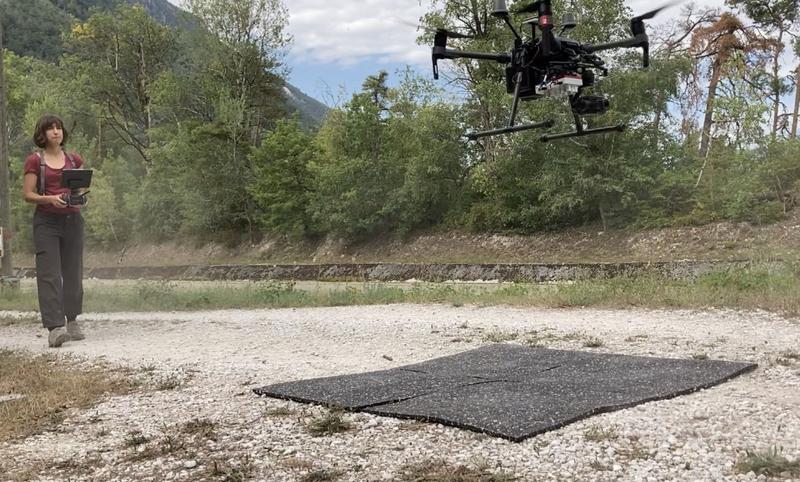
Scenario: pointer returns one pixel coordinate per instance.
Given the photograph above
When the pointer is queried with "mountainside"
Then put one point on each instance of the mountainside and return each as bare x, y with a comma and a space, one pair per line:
33, 28
311, 111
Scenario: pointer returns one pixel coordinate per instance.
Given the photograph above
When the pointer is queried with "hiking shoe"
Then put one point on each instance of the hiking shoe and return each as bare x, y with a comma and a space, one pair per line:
74, 330
57, 337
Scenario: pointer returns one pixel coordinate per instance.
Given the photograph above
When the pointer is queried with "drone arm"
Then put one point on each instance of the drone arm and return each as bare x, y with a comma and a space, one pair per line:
441, 52
639, 40
445, 53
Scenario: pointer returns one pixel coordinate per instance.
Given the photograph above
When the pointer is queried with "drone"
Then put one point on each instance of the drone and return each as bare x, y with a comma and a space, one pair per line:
548, 66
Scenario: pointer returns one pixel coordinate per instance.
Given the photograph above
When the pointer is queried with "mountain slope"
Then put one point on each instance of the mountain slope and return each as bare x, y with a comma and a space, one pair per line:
33, 28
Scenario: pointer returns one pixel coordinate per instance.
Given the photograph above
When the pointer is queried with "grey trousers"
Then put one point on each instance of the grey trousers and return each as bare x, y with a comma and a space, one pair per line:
58, 239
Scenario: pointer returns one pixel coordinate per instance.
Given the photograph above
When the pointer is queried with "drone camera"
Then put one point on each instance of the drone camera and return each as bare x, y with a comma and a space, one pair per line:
590, 104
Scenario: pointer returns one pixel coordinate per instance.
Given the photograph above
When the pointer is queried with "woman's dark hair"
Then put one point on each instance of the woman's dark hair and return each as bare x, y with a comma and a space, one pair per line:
46, 122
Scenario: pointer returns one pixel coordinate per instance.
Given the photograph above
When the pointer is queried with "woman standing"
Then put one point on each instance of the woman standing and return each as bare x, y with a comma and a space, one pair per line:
57, 232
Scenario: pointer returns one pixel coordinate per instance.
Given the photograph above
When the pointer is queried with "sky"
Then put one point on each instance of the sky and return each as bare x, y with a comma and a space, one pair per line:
337, 44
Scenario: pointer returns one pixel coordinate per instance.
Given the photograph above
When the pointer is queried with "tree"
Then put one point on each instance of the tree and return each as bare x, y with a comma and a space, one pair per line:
777, 17
123, 53
5, 169
246, 60
281, 184
719, 42
33, 28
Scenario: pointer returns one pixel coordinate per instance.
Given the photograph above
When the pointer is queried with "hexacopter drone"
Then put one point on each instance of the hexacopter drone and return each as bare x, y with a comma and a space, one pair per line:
548, 66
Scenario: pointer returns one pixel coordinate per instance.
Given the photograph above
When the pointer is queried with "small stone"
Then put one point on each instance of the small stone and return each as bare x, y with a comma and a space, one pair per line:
190, 464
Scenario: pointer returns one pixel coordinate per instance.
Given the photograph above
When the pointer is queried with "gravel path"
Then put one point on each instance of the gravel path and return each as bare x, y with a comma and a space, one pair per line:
211, 360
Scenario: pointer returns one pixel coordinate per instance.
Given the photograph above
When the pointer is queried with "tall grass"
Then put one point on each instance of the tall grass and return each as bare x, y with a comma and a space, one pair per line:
746, 288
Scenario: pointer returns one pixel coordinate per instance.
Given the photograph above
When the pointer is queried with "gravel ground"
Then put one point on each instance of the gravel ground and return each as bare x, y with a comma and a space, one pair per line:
206, 363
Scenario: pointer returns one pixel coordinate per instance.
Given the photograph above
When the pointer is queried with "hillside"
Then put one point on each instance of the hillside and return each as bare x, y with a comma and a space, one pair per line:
717, 241
33, 28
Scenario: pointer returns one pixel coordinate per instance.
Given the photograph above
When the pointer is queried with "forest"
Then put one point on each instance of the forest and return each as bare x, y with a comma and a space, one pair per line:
187, 135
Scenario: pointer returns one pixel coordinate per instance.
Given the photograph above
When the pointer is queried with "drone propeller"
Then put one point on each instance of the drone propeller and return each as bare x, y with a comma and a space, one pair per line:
654, 12
434, 31
638, 30
637, 23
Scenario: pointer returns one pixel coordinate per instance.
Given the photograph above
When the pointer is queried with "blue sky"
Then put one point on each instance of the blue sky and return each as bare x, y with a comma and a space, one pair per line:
338, 43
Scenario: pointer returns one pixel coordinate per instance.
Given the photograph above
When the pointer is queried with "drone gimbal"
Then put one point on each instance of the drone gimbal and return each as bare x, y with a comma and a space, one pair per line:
549, 66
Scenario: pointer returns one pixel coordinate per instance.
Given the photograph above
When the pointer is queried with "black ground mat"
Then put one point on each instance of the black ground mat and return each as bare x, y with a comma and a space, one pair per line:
511, 391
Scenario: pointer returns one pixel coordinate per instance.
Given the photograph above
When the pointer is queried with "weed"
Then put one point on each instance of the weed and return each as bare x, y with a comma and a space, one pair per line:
599, 466
272, 291
500, 337
294, 463
282, 411
169, 382
787, 358
202, 427
593, 342
636, 452
441, 471
50, 387
596, 433
155, 292
135, 438
328, 424
769, 463
321, 475
234, 473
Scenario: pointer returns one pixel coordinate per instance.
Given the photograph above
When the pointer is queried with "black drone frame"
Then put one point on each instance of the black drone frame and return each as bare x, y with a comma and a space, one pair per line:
534, 62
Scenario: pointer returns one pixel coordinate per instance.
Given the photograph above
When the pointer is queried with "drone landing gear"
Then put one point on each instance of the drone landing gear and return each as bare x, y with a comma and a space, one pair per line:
580, 131
511, 127
583, 106
507, 130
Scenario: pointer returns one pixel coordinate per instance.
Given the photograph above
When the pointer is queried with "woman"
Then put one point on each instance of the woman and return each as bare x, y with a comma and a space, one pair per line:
57, 232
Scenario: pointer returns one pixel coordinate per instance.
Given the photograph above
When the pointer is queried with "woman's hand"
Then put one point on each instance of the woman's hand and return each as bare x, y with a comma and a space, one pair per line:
56, 201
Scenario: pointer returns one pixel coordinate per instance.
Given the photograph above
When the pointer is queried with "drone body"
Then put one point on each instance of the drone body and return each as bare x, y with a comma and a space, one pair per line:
548, 66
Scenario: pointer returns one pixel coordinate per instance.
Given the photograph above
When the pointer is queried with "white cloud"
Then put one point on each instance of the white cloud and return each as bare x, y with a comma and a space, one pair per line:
349, 31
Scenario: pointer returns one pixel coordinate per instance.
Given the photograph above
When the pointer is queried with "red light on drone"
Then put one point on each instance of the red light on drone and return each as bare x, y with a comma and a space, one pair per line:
544, 21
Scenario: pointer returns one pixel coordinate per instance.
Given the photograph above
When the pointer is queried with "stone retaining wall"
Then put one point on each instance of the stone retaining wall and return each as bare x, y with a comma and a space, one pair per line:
422, 272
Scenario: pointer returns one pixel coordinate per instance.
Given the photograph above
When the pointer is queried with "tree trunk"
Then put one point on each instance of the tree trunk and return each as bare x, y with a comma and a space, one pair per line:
603, 217
796, 100
708, 120
776, 87
5, 180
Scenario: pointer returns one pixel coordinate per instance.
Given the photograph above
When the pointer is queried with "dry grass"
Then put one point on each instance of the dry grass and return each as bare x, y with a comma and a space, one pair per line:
51, 387
770, 463
330, 423
441, 471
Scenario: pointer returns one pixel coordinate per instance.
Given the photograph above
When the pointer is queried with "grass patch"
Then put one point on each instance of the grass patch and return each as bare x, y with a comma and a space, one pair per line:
500, 337
321, 475
50, 387
596, 433
593, 342
330, 423
233, 472
441, 471
203, 427
755, 287
280, 411
770, 463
